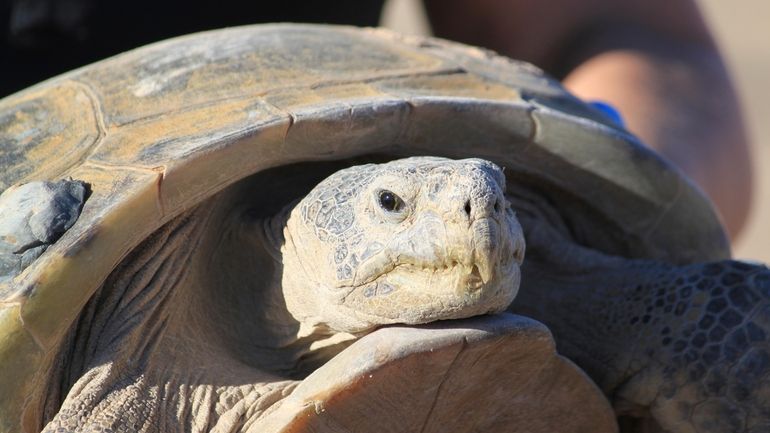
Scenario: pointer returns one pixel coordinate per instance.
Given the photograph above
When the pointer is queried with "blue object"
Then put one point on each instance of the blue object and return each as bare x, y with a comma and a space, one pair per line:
609, 111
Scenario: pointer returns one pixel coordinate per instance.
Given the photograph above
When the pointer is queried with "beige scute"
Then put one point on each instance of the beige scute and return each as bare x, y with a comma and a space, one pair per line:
164, 289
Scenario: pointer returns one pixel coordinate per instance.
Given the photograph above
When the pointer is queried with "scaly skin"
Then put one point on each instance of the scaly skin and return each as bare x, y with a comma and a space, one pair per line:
685, 346
679, 349
450, 249
130, 369
205, 324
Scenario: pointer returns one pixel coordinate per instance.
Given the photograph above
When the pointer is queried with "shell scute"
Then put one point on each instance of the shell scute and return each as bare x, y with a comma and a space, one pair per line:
46, 132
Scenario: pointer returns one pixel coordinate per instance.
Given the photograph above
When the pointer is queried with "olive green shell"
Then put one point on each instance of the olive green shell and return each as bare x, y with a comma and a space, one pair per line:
156, 130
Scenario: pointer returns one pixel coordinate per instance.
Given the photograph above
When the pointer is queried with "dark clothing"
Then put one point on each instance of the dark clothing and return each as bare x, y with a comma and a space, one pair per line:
43, 38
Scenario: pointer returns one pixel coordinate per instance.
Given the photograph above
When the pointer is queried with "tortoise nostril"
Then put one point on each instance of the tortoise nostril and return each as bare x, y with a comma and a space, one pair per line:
497, 205
468, 208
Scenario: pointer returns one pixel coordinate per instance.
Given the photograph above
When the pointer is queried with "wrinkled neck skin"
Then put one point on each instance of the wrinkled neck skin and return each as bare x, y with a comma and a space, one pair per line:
305, 343
207, 323
189, 333
411, 241
244, 287
575, 292
587, 298
675, 348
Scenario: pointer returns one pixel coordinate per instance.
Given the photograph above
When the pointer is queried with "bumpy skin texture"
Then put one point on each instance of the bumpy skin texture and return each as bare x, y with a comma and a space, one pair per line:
144, 357
677, 349
135, 365
410, 241
156, 131
713, 371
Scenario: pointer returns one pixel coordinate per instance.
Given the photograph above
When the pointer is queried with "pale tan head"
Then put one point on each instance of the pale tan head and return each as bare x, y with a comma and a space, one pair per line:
410, 241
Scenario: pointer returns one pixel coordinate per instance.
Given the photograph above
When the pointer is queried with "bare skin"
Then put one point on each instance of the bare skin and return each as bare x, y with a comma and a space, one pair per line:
676, 349
654, 60
410, 241
681, 349
205, 324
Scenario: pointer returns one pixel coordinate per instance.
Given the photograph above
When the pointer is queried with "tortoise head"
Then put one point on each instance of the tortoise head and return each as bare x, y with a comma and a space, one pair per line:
410, 241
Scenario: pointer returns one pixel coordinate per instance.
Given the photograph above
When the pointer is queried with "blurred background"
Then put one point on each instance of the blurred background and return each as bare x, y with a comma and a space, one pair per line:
742, 33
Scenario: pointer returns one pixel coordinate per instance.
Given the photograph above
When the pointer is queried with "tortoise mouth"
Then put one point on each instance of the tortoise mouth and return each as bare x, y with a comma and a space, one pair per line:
467, 258
463, 272
412, 294
468, 276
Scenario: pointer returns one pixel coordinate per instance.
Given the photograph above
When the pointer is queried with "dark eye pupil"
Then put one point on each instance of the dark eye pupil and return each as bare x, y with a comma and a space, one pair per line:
389, 201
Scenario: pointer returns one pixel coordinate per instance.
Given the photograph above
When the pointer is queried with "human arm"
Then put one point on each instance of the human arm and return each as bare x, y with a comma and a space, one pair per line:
654, 60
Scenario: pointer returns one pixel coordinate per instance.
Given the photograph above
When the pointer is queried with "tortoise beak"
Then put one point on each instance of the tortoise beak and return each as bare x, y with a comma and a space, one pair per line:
485, 239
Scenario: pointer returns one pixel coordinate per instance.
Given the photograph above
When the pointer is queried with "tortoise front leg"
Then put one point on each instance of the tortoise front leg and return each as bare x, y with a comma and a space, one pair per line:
705, 342
686, 345
127, 372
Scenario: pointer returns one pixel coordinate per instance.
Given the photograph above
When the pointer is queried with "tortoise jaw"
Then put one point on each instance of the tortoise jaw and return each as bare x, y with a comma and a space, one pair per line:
465, 276
476, 279
477, 253
414, 295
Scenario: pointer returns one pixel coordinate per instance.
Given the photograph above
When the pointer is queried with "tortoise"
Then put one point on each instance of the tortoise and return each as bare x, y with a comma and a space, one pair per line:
210, 233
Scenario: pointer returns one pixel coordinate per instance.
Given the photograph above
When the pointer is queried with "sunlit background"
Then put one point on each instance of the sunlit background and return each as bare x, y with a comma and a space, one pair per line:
743, 34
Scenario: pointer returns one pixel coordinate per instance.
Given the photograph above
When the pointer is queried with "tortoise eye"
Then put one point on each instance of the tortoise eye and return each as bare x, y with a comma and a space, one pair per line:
390, 201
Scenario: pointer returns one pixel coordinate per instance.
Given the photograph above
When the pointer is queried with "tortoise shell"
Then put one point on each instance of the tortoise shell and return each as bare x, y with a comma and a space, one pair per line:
156, 130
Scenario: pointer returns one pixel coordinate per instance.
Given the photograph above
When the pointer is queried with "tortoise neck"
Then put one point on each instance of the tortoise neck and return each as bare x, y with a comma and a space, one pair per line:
272, 231
314, 342
564, 284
